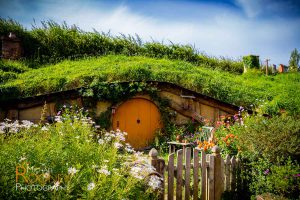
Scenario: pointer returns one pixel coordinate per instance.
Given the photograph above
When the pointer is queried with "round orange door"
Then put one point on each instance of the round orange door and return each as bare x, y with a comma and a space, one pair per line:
140, 118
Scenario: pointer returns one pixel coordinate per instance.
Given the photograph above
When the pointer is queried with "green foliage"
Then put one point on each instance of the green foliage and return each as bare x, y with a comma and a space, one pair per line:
5, 76
251, 90
13, 66
269, 150
54, 150
274, 137
53, 42
104, 119
280, 178
251, 61
294, 60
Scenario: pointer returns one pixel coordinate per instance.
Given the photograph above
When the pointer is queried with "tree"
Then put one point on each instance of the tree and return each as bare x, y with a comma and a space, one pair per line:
294, 60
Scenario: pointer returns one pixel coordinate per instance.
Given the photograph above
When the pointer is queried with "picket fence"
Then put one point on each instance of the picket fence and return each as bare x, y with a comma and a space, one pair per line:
198, 176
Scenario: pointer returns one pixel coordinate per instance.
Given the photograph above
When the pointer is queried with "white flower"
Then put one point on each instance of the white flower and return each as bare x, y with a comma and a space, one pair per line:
100, 141
58, 119
44, 128
77, 137
106, 161
155, 182
104, 171
46, 175
136, 172
94, 166
118, 145
72, 170
22, 158
91, 186
129, 150
56, 185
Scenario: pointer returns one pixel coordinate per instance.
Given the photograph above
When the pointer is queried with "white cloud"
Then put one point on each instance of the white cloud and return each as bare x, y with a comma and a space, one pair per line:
252, 7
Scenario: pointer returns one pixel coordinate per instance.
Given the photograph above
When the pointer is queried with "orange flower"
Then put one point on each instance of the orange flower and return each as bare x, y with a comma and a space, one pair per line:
200, 145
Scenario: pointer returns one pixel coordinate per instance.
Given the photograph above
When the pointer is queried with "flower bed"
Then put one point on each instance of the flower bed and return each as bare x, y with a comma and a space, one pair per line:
71, 159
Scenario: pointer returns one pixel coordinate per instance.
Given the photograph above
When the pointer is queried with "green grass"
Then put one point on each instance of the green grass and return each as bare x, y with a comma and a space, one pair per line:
267, 93
71, 143
53, 42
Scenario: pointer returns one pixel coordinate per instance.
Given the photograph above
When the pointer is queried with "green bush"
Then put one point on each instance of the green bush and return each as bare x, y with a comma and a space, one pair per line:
5, 76
69, 160
274, 137
269, 150
280, 178
251, 61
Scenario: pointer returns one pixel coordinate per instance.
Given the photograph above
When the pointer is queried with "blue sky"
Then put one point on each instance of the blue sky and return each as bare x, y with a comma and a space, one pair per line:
229, 28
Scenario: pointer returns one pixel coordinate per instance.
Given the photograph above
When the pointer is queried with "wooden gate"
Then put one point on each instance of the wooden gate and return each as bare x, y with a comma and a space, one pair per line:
201, 176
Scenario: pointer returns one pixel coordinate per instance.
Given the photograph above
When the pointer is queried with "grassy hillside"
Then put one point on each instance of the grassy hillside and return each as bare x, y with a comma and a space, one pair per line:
52, 42
253, 89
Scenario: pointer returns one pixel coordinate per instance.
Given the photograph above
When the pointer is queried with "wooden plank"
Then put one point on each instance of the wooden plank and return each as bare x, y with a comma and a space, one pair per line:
196, 174
179, 180
223, 174
171, 177
203, 175
187, 172
211, 180
218, 174
216, 114
227, 173
170, 149
233, 173
197, 107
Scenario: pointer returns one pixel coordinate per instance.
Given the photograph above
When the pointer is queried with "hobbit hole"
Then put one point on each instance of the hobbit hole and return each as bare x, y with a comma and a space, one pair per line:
139, 115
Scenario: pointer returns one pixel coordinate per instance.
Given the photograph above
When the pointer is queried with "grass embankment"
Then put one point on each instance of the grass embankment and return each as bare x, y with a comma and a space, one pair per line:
52, 42
271, 93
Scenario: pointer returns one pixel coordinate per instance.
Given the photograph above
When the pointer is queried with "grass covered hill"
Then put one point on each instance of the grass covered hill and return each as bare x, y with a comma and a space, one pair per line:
52, 42
252, 89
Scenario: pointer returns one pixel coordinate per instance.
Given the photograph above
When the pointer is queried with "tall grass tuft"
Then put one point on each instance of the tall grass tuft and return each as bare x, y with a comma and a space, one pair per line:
52, 42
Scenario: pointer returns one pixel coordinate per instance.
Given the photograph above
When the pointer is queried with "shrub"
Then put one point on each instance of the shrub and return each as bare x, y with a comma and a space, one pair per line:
69, 160
251, 61
269, 150
272, 137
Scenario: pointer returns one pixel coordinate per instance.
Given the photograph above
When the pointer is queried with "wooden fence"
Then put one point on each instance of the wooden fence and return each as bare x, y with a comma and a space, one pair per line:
196, 175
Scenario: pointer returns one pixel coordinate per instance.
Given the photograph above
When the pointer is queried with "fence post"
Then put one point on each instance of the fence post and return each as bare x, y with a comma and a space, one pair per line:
179, 180
187, 173
227, 173
159, 165
218, 175
196, 174
203, 176
233, 174
171, 177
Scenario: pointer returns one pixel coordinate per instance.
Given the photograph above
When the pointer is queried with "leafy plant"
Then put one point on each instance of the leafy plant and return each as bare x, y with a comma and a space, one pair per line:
69, 159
